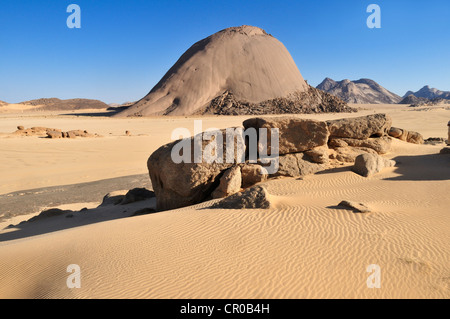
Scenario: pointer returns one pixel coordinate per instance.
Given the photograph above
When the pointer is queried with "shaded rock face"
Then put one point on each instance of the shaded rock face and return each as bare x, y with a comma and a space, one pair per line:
355, 206
360, 127
369, 164
407, 136
252, 174
230, 183
254, 197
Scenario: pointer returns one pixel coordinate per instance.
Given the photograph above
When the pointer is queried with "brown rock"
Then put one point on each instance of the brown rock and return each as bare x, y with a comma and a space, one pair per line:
298, 164
127, 133
136, 195
20, 128
230, 183
319, 154
295, 134
407, 136
254, 197
363, 127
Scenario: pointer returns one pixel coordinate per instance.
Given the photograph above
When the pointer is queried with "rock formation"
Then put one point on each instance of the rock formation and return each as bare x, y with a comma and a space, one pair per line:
369, 164
305, 147
239, 70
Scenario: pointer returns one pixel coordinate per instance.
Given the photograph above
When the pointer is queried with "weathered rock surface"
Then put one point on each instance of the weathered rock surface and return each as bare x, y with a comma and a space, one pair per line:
295, 134
183, 184
254, 197
298, 164
381, 145
407, 136
363, 127
348, 154
230, 183
252, 174
369, 164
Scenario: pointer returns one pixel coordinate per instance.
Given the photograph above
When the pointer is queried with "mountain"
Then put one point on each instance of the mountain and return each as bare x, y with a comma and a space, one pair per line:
429, 93
239, 70
363, 91
412, 99
70, 104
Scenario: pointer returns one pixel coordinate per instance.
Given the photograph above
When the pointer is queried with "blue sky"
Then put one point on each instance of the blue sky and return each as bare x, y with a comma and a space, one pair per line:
124, 47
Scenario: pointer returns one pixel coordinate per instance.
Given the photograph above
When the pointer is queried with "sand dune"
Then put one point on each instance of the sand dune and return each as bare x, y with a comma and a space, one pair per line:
304, 247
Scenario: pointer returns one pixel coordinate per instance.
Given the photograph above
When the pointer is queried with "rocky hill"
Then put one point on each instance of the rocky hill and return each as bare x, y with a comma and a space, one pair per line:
363, 91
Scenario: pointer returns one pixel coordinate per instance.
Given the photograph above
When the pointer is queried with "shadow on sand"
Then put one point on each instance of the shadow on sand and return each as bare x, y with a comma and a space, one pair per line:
431, 167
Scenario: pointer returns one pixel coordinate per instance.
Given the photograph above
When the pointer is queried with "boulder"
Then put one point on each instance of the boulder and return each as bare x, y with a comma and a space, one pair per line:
252, 174
230, 183
363, 127
183, 184
254, 197
295, 134
369, 164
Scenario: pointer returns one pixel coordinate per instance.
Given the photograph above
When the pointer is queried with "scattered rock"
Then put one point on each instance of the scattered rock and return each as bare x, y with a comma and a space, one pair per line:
434, 141
230, 183
295, 134
445, 150
136, 195
369, 164
363, 127
357, 207
254, 197
127, 133
20, 128
298, 164
319, 154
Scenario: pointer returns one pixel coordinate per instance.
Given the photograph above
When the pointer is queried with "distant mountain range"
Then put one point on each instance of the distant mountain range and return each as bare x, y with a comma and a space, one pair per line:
429, 93
363, 91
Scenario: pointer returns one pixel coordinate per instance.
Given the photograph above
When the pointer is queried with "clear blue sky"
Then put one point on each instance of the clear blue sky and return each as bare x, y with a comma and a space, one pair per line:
124, 47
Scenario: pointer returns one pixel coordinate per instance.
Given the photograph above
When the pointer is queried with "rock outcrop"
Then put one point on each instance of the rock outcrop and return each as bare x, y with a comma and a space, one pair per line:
305, 147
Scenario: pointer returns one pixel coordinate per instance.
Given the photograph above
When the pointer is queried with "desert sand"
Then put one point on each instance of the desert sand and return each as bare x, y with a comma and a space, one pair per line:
303, 247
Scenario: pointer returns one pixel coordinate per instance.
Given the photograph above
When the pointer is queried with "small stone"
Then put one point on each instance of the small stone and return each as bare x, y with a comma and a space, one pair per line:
357, 207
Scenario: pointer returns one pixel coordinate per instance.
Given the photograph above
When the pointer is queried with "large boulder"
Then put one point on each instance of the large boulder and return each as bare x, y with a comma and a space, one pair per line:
369, 164
178, 184
363, 127
348, 154
252, 174
295, 134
